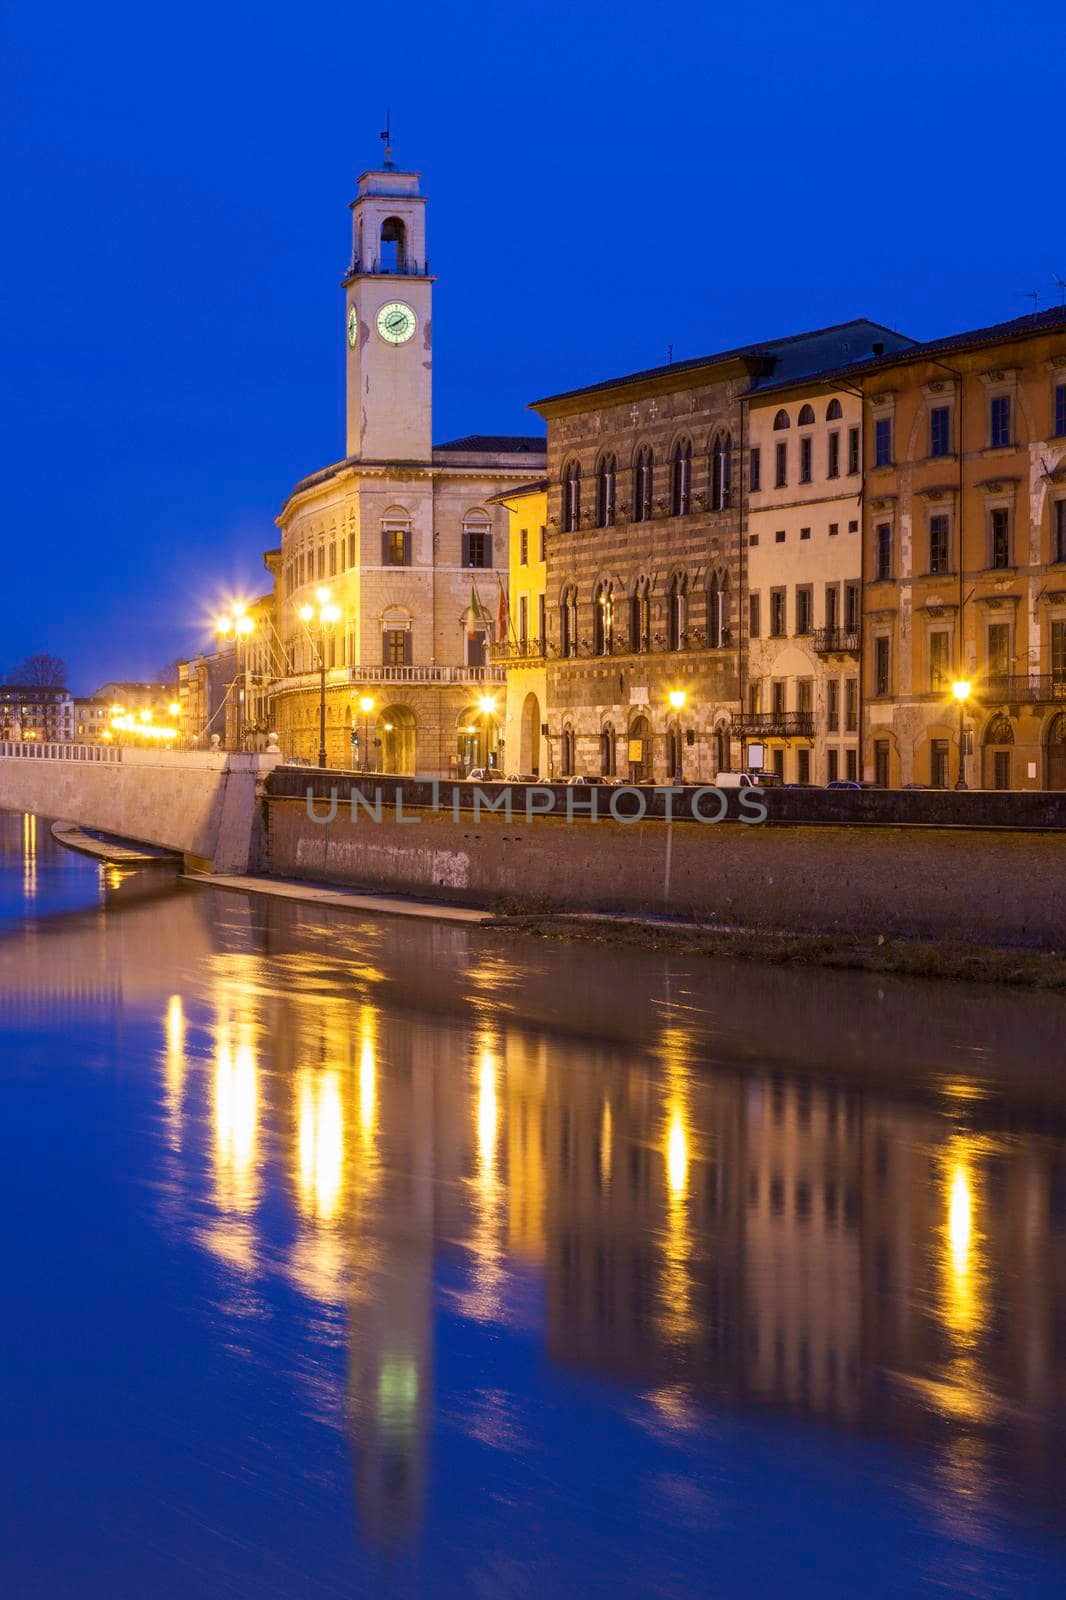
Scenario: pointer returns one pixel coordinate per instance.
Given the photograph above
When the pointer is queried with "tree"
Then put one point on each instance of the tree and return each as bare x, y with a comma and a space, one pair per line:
42, 670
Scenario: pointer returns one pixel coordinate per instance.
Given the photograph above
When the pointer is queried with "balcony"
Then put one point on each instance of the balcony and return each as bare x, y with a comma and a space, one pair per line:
621, 644
776, 724
1036, 689
343, 677
515, 650
837, 641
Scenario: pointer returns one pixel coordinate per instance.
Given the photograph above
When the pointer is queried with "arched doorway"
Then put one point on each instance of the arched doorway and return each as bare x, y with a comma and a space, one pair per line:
999, 752
529, 737
477, 740
673, 752
396, 730
567, 752
721, 750
640, 751
607, 750
1055, 759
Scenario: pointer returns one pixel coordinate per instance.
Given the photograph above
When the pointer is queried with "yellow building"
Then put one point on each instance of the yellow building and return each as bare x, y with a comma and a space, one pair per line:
526, 745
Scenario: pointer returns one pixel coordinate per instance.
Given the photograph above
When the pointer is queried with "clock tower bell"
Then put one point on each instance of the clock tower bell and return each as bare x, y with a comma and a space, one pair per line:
387, 326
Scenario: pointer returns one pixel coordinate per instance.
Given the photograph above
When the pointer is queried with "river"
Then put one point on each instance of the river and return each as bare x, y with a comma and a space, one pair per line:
385, 1257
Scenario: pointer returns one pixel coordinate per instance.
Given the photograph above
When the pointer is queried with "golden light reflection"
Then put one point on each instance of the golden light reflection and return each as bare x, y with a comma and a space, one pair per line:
368, 1072
486, 1247
29, 855
676, 1286
677, 1151
174, 1069
606, 1144
320, 1143
961, 1390
236, 1120
487, 1112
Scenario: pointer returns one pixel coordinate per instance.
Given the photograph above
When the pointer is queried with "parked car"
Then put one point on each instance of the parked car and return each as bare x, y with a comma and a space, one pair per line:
482, 775
843, 783
521, 777
736, 780
589, 777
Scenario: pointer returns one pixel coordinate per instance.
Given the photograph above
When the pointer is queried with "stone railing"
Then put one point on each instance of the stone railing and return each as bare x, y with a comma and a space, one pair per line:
33, 749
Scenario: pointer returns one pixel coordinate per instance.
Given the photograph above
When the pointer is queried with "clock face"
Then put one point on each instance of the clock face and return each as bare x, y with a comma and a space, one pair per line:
396, 322
353, 327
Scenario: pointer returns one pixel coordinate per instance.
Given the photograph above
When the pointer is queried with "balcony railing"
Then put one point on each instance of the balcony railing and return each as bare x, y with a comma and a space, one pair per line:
777, 724
837, 641
517, 650
340, 677
620, 644
1034, 688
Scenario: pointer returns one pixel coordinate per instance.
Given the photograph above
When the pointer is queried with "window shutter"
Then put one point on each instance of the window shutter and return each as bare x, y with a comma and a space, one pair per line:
488, 549
407, 547
385, 647
466, 548
385, 547
407, 648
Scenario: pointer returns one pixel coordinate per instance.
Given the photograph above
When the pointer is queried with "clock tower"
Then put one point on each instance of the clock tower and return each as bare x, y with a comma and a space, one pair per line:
387, 327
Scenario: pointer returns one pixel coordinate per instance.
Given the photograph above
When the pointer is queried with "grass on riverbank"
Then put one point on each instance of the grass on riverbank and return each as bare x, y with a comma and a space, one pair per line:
957, 963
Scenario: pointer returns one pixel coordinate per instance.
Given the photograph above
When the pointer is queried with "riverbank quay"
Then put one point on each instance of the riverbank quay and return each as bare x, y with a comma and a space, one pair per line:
971, 869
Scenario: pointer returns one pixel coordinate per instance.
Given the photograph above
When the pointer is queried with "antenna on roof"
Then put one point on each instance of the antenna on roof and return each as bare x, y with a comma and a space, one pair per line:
669, 355
1033, 295
386, 137
1060, 284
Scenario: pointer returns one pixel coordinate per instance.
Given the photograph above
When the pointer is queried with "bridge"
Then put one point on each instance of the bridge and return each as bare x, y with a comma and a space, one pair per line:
203, 804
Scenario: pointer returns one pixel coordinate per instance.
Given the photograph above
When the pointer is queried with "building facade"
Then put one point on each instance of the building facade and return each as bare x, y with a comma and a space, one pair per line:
521, 645
33, 711
965, 560
393, 560
649, 478
803, 615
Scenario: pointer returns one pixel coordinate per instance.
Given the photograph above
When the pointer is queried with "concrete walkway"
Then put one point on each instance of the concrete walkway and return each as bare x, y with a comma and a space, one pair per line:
342, 899
122, 855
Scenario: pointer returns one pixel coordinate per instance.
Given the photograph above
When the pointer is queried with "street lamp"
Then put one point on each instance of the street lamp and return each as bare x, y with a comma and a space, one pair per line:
318, 619
366, 706
237, 625
677, 699
961, 690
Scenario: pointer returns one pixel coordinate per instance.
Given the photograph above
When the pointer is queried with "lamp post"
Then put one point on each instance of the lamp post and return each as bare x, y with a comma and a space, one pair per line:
318, 619
366, 706
487, 707
677, 699
961, 690
237, 625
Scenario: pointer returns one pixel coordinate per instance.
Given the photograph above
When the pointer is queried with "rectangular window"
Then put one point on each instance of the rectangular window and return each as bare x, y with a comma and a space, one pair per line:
805, 533
780, 464
396, 545
939, 662
753, 538
999, 422
753, 616
805, 695
852, 608
834, 529
1001, 769
1058, 547
803, 764
777, 613
938, 763
777, 697
333, 559
542, 625
851, 705
397, 651
320, 561
832, 606
755, 471
523, 547
351, 549
938, 544
543, 541
851, 765
778, 759
832, 705
804, 610
881, 763
940, 431
806, 452
883, 553
779, 536
883, 442
1058, 651
853, 451
832, 465
832, 765
1060, 410
999, 649
999, 537
477, 547
882, 663
523, 620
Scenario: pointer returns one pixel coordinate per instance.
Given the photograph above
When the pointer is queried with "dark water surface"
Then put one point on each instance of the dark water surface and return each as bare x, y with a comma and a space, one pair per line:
397, 1258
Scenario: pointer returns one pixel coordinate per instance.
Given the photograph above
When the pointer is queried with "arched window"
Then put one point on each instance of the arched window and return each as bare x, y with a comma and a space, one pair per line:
1000, 730
681, 478
606, 474
781, 421
721, 472
640, 739
673, 752
806, 417
568, 622
603, 619
717, 612
393, 256
571, 497
643, 474
677, 612
833, 411
607, 751
1055, 757
567, 751
640, 616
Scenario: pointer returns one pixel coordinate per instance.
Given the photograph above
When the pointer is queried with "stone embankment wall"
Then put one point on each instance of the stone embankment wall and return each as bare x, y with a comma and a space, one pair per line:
807, 867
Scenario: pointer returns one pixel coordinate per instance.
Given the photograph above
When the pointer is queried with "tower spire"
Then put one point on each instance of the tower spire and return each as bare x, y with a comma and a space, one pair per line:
388, 165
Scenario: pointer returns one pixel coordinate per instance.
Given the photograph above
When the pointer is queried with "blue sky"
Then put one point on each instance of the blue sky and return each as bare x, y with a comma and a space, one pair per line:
604, 179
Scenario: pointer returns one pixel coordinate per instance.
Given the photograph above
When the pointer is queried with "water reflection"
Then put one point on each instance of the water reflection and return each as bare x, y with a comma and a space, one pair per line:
712, 1227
